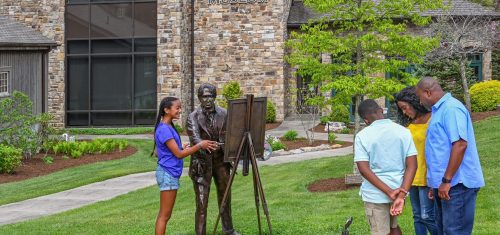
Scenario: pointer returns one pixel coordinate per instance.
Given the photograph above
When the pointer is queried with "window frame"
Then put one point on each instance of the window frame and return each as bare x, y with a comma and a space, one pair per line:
8, 72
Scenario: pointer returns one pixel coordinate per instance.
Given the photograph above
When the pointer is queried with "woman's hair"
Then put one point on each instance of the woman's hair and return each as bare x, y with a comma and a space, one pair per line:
166, 103
409, 96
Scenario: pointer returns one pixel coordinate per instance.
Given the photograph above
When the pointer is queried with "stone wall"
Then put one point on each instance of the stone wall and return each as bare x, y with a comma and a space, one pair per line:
173, 51
244, 42
47, 17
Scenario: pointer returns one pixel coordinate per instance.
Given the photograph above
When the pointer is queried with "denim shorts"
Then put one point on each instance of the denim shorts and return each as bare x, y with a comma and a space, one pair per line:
165, 180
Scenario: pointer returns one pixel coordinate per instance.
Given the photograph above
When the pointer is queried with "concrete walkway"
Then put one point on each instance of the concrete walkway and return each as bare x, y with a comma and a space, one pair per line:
108, 189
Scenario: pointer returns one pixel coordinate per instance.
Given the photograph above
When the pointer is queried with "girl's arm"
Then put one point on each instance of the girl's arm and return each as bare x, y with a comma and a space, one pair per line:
204, 144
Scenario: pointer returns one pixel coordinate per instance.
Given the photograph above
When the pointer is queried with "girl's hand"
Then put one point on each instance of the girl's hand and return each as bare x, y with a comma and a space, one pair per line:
185, 146
208, 145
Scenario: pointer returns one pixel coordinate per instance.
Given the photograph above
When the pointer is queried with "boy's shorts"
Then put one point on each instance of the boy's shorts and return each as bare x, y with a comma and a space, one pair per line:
379, 218
166, 181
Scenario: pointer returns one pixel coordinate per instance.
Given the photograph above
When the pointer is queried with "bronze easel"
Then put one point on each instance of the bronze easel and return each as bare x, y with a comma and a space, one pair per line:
247, 150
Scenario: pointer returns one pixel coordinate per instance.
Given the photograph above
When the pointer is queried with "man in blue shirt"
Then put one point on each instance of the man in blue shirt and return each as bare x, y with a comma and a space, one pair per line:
454, 171
386, 158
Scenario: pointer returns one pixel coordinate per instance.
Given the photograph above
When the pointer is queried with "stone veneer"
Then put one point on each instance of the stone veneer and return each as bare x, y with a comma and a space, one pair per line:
47, 17
242, 41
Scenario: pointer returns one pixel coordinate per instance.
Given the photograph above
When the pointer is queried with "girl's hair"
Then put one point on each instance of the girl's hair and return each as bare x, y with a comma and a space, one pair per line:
167, 103
409, 96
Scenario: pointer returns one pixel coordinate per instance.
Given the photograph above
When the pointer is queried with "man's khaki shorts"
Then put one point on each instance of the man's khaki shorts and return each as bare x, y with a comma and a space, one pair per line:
379, 218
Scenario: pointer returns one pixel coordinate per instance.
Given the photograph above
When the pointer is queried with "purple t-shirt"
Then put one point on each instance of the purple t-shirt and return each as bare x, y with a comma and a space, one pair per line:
166, 158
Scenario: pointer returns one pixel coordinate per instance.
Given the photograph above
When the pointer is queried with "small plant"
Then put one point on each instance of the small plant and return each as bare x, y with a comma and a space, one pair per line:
485, 96
76, 153
331, 137
271, 112
290, 135
275, 143
48, 160
10, 158
230, 91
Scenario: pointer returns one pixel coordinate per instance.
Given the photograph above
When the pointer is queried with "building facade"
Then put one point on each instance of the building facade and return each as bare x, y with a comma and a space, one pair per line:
116, 59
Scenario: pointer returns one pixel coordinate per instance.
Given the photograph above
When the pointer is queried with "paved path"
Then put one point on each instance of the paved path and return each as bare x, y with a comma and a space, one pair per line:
108, 189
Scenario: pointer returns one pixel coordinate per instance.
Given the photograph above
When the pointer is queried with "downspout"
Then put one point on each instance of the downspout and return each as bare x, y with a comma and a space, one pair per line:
192, 56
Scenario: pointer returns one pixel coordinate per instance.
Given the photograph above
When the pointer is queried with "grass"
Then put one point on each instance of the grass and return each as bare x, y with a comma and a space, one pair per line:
293, 210
110, 131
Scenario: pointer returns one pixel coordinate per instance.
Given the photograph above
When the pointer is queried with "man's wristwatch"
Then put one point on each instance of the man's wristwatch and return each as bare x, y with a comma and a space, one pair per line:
445, 181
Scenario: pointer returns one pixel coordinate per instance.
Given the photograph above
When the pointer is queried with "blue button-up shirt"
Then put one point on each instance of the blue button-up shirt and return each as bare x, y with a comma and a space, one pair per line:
449, 123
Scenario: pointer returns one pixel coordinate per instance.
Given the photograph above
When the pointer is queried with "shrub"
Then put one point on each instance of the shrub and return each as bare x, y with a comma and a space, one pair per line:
10, 158
340, 113
290, 135
20, 128
324, 119
77, 149
331, 137
230, 91
48, 160
485, 96
271, 112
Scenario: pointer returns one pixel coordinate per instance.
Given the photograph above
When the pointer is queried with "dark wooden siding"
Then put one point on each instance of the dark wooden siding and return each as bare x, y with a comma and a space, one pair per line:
26, 74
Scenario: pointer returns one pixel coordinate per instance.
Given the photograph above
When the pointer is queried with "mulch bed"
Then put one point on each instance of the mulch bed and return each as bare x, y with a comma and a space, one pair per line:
36, 167
270, 126
296, 144
478, 116
330, 185
320, 128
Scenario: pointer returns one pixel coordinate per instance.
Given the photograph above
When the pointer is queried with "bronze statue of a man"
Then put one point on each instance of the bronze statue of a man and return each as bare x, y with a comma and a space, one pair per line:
208, 122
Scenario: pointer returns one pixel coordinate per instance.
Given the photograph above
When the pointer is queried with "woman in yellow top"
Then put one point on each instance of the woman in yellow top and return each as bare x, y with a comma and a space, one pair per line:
416, 118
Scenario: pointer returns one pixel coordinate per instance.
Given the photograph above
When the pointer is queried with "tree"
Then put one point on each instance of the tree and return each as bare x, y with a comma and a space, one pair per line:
447, 73
460, 37
366, 39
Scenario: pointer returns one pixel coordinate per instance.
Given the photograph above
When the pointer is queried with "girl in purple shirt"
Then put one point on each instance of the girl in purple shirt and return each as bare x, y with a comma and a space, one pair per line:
170, 154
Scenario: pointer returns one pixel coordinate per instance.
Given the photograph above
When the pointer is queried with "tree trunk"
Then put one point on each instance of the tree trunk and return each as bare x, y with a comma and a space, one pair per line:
463, 61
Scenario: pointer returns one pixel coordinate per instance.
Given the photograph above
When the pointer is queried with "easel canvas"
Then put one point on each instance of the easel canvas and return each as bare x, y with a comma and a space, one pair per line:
235, 128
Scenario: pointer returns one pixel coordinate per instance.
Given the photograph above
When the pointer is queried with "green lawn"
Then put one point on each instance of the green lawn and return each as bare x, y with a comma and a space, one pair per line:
293, 209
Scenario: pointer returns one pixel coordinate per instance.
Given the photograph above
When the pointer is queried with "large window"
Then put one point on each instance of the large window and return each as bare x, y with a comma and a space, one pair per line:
111, 62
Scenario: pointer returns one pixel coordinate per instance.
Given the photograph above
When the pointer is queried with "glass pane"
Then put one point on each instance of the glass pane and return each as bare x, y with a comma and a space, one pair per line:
111, 119
78, 83
111, 83
78, 47
77, 21
112, 46
145, 45
145, 82
111, 20
145, 19
145, 118
77, 119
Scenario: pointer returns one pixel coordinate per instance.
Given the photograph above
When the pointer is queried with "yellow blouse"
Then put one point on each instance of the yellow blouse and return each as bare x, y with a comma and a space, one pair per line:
418, 132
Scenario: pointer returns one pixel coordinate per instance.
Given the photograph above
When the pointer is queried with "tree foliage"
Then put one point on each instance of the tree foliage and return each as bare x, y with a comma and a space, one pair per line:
365, 40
